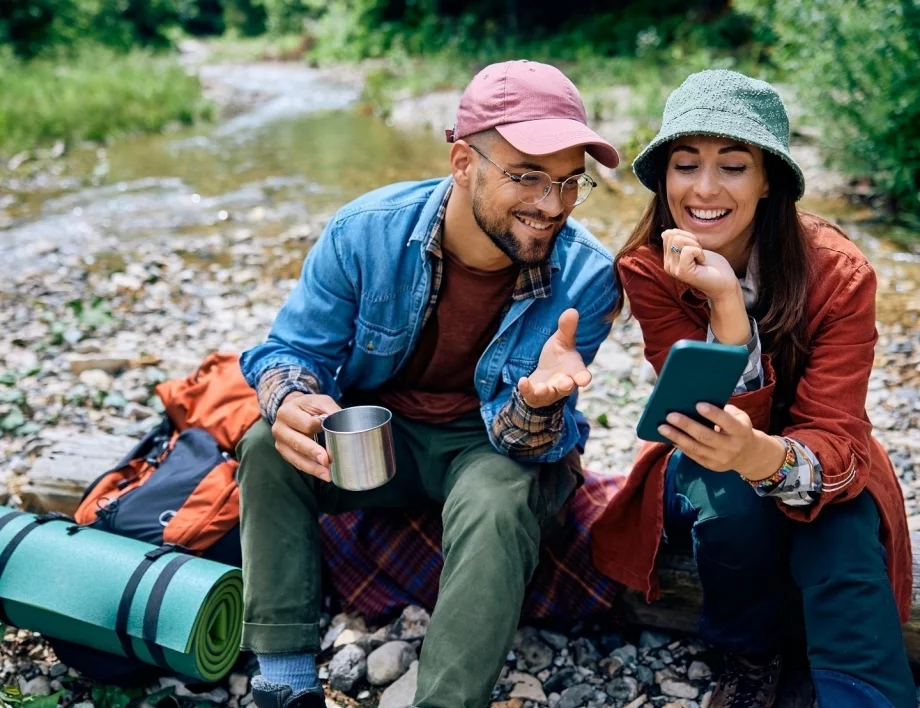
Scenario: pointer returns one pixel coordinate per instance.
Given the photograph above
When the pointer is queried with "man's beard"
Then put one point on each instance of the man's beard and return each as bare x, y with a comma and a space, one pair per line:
505, 239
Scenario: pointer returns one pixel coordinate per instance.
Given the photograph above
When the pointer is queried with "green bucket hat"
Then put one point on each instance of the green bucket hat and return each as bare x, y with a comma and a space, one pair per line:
725, 104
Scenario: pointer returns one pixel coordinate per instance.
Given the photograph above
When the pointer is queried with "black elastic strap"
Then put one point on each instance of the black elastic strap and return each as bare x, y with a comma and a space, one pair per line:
9, 517
124, 606
127, 597
154, 604
8, 553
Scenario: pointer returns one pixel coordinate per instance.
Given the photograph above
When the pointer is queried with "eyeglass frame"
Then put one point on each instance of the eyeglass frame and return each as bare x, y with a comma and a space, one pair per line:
517, 180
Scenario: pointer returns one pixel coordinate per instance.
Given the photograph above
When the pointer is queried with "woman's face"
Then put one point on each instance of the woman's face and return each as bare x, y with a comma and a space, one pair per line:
714, 186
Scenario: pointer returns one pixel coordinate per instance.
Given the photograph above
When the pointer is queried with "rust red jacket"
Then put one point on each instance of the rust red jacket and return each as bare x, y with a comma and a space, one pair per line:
828, 413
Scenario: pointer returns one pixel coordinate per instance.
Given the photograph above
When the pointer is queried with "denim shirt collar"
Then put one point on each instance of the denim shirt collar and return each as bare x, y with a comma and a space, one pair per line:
533, 281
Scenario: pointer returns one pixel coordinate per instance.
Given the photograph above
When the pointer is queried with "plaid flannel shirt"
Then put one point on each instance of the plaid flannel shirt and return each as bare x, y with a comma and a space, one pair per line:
803, 484
518, 428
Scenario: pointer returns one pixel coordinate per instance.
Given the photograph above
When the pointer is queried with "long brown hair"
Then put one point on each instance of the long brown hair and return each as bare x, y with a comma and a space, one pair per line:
784, 270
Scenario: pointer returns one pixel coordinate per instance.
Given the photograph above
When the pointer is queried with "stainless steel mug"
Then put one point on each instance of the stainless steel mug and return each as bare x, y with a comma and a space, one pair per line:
359, 441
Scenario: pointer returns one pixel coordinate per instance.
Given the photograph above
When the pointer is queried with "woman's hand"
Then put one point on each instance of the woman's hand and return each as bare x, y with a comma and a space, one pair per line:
713, 275
733, 444
706, 271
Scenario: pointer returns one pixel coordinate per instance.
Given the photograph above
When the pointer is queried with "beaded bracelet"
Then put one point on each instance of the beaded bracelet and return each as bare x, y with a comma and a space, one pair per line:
777, 478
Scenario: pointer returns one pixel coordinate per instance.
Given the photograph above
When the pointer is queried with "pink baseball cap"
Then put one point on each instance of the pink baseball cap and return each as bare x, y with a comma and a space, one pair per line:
533, 106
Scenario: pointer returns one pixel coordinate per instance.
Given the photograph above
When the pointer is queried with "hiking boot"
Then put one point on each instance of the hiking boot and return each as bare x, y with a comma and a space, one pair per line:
271, 695
745, 683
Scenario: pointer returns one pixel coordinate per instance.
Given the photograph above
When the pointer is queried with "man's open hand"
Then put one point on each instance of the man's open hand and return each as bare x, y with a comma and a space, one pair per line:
560, 370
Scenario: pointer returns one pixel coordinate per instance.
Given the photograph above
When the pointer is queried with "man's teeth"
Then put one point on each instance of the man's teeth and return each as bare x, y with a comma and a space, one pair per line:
709, 213
534, 224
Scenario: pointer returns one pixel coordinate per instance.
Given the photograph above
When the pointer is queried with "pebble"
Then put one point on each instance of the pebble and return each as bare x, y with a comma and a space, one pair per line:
628, 654
38, 686
623, 689
347, 668
526, 687
57, 671
401, 693
239, 684
533, 654
411, 625
679, 689
576, 696
698, 670
388, 662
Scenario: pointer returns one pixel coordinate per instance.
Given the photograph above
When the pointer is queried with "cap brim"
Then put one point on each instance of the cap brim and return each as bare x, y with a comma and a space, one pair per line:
542, 137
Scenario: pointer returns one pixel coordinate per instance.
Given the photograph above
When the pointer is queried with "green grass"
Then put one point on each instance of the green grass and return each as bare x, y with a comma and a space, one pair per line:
232, 48
93, 95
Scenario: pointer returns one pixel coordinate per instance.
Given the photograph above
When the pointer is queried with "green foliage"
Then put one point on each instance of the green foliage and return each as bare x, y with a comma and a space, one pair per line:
33, 27
93, 95
114, 696
11, 696
855, 63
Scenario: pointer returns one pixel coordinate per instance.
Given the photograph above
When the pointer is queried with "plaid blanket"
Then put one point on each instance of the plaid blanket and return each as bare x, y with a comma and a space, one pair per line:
382, 560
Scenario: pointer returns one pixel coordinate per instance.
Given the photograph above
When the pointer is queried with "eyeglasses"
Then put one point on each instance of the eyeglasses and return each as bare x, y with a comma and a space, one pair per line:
534, 187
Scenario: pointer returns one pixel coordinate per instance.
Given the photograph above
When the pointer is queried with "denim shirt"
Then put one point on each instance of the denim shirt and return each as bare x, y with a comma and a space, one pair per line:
355, 315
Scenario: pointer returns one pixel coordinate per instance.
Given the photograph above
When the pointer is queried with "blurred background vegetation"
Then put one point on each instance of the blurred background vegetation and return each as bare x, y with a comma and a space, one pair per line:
86, 69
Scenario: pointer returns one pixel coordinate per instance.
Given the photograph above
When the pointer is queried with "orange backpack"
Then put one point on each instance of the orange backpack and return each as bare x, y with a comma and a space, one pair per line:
178, 485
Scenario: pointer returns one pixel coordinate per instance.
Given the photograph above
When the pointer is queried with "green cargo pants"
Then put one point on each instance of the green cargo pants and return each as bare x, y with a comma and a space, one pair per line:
494, 509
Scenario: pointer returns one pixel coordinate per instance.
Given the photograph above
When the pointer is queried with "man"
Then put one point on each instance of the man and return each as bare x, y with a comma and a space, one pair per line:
470, 307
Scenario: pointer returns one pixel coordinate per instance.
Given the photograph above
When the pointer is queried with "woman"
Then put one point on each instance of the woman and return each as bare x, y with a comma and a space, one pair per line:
794, 509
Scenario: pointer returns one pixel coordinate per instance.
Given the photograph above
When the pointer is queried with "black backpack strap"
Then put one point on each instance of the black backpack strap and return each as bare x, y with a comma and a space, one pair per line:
17, 539
127, 598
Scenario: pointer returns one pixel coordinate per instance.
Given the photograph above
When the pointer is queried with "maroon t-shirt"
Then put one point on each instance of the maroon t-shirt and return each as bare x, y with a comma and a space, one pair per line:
436, 384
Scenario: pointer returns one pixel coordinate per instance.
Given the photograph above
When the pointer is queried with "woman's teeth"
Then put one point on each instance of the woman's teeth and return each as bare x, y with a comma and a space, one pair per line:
534, 224
708, 214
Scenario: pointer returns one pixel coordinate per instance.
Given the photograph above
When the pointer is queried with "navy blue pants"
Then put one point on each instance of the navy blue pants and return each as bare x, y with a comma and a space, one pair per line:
761, 572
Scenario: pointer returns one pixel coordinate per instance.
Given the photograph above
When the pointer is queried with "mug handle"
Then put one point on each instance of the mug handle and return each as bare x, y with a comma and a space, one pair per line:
320, 437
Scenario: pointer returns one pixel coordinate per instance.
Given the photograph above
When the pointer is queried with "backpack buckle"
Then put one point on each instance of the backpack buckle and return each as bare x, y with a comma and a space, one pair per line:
53, 516
164, 549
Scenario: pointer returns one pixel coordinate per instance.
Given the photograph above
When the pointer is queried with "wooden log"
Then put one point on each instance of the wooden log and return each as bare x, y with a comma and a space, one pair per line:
681, 599
72, 460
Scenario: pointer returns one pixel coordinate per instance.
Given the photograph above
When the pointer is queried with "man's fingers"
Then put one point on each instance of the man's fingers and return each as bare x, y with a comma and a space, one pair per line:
568, 324
299, 420
300, 444
562, 384
583, 377
302, 462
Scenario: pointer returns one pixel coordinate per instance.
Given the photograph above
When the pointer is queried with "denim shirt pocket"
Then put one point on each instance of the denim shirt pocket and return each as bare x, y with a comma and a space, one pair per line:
377, 340
514, 369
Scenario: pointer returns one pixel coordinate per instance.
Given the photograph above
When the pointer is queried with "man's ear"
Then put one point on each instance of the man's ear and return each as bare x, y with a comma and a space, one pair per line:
461, 163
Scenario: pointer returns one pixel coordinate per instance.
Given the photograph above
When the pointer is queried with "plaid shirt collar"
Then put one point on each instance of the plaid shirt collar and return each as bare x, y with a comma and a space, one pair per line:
533, 281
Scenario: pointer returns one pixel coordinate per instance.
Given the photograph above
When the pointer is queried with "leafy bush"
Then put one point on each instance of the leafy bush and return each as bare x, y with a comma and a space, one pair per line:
855, 62
33, 27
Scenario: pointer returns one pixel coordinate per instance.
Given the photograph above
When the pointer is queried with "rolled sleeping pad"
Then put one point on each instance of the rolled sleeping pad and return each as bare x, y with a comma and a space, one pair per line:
118, 595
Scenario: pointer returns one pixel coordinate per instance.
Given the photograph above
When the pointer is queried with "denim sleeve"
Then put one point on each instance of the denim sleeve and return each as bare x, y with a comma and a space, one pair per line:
309, 339
548, 434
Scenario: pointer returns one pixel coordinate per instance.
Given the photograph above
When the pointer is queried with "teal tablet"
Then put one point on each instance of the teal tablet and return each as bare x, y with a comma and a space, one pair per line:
694, 372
